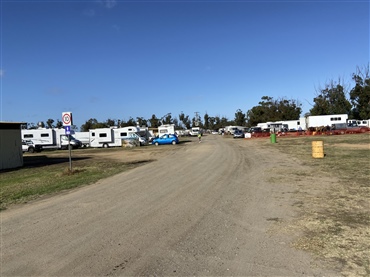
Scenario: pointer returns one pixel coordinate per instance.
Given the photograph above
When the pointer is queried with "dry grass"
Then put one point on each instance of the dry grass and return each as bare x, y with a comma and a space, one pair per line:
333, 199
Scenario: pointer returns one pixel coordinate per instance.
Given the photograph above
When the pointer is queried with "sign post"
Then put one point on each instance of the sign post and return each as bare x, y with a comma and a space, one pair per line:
67, 122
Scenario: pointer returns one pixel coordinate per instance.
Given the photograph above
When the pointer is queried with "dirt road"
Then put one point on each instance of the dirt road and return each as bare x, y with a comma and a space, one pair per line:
203, 209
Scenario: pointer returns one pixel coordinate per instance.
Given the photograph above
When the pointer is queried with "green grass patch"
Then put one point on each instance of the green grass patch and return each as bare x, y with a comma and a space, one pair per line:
46, 174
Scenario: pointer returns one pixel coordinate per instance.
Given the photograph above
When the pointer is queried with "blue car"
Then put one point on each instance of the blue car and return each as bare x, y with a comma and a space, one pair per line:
166, 139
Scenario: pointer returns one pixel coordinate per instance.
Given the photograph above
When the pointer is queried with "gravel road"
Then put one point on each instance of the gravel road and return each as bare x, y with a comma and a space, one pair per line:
201, 209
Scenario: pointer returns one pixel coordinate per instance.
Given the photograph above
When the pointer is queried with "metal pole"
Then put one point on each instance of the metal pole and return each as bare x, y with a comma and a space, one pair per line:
70, 153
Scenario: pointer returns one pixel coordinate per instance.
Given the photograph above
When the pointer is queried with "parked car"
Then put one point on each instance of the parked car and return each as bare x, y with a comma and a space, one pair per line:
29, 146
166, 139
238, 134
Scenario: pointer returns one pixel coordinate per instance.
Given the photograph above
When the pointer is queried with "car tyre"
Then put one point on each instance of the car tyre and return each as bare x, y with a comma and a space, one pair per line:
156, 143
105, 145
174, 142
31, 150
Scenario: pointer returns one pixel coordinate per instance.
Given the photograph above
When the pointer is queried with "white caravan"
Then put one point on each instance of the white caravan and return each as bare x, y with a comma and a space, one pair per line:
194, 131
112, 137
166, 129
325, 120
50, 138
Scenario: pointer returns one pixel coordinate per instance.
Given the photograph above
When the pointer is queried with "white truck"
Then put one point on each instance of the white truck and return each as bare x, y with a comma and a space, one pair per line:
113, 137
45, 138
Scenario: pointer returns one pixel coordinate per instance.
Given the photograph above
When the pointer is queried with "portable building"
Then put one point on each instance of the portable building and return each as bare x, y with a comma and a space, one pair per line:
10, 145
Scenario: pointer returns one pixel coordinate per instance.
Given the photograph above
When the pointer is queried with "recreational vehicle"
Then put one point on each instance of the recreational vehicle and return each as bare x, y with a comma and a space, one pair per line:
50, 138
166, 129
194, 131
112, 137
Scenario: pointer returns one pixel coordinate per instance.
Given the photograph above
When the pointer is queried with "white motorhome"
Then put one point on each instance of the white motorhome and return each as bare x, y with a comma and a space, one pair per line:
50, 138
166, 129
325, 120
194, 131
113, 137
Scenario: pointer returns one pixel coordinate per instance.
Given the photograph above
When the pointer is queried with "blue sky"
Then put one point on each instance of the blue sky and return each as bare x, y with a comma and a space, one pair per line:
120, 59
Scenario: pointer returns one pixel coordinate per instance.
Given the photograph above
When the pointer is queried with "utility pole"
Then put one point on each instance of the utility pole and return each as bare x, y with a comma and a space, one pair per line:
196, 121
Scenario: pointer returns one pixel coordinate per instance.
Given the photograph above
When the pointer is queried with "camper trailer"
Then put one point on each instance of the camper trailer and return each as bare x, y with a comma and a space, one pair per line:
113, 137
50, 138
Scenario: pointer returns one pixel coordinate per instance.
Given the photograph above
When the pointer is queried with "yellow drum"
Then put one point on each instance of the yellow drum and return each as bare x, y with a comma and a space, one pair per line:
318, 149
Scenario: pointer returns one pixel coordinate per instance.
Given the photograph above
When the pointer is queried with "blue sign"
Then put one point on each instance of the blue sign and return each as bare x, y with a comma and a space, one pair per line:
68, 130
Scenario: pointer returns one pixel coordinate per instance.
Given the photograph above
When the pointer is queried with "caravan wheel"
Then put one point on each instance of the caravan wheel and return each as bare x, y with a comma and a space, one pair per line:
105, 145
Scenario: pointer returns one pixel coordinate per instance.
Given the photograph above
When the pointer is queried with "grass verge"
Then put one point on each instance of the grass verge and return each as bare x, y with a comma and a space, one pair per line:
333, 197
48, 173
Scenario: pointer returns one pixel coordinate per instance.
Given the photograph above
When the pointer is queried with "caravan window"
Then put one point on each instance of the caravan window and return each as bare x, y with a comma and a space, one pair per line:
27, 136
124, 134
44, 135
335, 118
103, 135
93, 134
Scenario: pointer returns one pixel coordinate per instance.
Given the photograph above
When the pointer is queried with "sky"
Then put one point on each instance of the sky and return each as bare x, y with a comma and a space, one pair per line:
112, 59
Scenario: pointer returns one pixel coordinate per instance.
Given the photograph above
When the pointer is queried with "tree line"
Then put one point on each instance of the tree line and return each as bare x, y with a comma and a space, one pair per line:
333, 98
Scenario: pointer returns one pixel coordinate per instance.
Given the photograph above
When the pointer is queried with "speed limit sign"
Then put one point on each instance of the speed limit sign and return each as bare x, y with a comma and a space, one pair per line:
67, 119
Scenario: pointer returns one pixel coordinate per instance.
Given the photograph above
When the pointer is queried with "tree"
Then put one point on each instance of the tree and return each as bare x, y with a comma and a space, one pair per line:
49, 123
92, 123
110, 122
154, 121
270, 110
212, 123
185, 120
206, 121
41, 124
129, 122
239, 118
360, 94
331, 100
141, 121
59, 124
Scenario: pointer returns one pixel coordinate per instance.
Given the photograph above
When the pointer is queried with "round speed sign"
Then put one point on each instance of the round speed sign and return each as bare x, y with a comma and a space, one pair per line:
67, 119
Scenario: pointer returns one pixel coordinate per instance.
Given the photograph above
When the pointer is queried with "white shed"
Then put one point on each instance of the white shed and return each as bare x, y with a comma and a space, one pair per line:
11, 155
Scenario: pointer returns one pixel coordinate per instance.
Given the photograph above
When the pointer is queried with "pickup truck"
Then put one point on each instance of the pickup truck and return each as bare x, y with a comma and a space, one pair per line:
29, 146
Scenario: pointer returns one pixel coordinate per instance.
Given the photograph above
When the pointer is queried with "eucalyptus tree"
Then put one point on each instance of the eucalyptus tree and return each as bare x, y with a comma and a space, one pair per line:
360, 94
331, 100
239, 118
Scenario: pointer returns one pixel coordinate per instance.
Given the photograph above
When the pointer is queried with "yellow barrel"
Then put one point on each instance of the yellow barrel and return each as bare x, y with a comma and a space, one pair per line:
318, 149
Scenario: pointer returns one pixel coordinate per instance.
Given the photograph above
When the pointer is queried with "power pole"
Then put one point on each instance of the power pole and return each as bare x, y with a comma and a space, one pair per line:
197, 119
